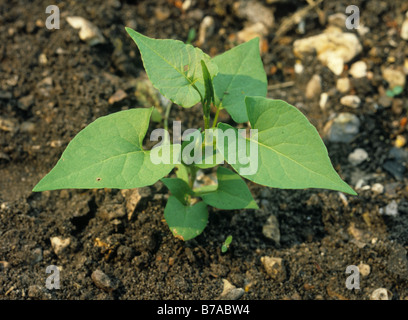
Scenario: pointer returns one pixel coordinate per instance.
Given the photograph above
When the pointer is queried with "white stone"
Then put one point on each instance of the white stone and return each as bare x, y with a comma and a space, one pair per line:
88, 31
206, 29
343, 85
391, 209
377, 187
324, 97
394, 77
381, 294
274, 267
254, 12
351, 101
404, 29
357, 156
364, 269
251, 32
298, 67
314, 87
358, 69
333, 48
59, 245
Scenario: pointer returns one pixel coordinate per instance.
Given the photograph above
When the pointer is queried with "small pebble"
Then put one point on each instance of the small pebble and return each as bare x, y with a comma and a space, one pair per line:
385, 101
358, 156
364, 269
4, 265
26, 102
377, 187
395, 78
205, 30
324, 97
28, 127
404, 28
274, 268
59, 245
42, 59
299, 67
343, 128
391, 209
88, 31
102, 281
314, 87
337, 19
400, 141
358, 69
351, 101
396, 168
343, 85
119, 95
381, 294
271, 229
230, 292
334, 48
36, 256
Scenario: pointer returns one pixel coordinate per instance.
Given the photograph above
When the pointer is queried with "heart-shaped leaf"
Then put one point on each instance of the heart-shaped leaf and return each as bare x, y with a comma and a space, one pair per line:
174, 68
185, 222
240, 73
290, 153
108, 153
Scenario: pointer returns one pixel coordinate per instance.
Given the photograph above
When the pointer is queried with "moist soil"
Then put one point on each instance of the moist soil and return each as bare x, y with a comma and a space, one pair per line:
321, 232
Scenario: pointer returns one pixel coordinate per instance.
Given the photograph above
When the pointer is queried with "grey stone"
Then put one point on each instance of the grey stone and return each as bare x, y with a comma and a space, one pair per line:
344, 128
358, 156
271, 229
102, 281
230, 292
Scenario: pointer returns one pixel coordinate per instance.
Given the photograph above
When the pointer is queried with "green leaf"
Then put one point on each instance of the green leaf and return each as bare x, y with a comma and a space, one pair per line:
390, 93
209, 90
228, 240
232, 192
174, 68
185, 222
241, 73
290, 153
108, 153
226, 244
178, 188
397, 90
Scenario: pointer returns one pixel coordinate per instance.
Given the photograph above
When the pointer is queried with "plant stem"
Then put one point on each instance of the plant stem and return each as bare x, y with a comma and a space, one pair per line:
206, 122
216, 115
166, 117
192, 176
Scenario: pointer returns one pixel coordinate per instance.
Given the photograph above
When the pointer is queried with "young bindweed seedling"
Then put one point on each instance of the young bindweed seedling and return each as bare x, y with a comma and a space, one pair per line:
226, 244
283, 150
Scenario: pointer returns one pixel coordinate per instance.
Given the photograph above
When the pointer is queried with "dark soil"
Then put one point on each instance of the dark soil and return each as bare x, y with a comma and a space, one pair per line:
321, 231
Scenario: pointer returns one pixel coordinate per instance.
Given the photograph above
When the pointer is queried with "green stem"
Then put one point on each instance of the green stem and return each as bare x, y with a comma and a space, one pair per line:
206, 122
166, 116
219, 107
192, 176
166, 119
